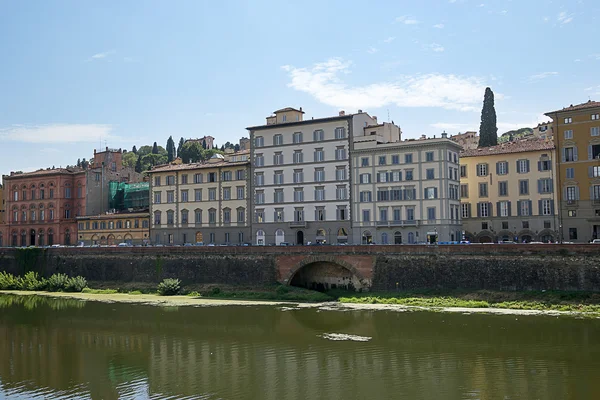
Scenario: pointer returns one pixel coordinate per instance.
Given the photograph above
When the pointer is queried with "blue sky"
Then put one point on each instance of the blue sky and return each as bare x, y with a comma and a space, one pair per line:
76, 75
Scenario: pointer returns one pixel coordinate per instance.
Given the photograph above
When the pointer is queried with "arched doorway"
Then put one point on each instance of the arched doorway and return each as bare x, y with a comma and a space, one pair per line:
397, 237
320, 237
486, 239
95, 240
260, 237
32, 237
384, 238
526, 239
110, 240
279, 237
23, 238
41, 238
326, 275
199, 237
342, 235
128, 239
50, 237
367, 238
300, 238
14, 242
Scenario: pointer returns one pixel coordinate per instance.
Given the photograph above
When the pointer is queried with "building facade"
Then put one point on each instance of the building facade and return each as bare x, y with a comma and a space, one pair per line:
112, 229
508, 192
2, 206
301, 177
41, 206
577, 140
404, 192
467, 141
201, 202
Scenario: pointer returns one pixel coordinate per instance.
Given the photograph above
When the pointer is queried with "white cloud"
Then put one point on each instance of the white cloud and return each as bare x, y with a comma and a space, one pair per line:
390, 39
436, 47
439, 26
577, 60
56, 133
323, 82
564, 18
546, 19
542, 75
452, 1
481, 5
503, 12
372, 50
405, 19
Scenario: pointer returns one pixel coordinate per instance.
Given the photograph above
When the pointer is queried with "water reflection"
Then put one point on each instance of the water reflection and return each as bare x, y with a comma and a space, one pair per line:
129, 351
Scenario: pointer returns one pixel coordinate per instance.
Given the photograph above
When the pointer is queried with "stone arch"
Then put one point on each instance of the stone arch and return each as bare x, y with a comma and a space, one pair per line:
484, 236
353, 279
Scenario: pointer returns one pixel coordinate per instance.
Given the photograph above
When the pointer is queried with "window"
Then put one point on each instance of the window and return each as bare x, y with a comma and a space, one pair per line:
298, 176
198, 216
546, 208
365, 178
198, 178
277, 140
278, 196
340, 133
298, 195
522, 166
278, 158
283, 118
170, 217
260, 179
409, 175
298, 157
170, 196
568, 120
431, 193
67, 193
319, 155
297, 137
595, 193
382, 160
240, 192
595, 117
504, 208
278, 178
319, 193
504, 224
212, 216
240, 174
33, 193
366, 215
465, 210
383, 214
184, 179
594, 171
212, 194
410, 213
341, 213
157, 181
320, 213
341, 193
482, 169
156, 218
383, 195
570, 154
226, 215
184, 196
211, 237
319, 174
364, 162
568, 134
572, 194
318, 135
544, 165
51, 194
170, 180
184, 216
198, 194
431, 213
429, 156
594, 152
42, 194
227, 176
365, 196
157, 197
545, 185
502, 168
483, 189
212, 177
227, 193
523, 187
430, 173
241, 215
259, 160
395, 159
340, 173
260, 197
524, 208
299, 214
278, 215
97, 176
503, 188
259, 141
572, 233
397, 214
408, 158
484, 210
464, 191
382, 177
340, 153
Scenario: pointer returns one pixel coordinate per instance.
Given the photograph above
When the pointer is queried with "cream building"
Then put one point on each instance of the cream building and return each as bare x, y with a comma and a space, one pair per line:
301, 178
404, 191
201, 202
508, 192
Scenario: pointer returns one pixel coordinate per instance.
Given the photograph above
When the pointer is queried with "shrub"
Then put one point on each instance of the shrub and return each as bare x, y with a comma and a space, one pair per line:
169, 287
215, 291
75, 284
281, 290
32, 281
8, 281
57, 282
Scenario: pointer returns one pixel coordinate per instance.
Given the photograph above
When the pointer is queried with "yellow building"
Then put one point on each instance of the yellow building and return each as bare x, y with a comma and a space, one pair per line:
507, 192
201, 202
577, 140
112, 229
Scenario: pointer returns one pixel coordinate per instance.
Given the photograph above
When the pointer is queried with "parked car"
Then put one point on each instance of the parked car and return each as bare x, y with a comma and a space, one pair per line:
124, 244
284, 244
596, 241
187, 245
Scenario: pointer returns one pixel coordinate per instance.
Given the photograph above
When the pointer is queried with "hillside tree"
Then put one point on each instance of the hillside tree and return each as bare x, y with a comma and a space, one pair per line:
171, 149
180, 146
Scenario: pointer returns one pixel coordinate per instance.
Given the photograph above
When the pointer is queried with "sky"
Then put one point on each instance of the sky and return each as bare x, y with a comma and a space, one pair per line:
79, 75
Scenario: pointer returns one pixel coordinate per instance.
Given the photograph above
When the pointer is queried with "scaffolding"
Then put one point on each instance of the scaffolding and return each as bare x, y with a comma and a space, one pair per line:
128, 196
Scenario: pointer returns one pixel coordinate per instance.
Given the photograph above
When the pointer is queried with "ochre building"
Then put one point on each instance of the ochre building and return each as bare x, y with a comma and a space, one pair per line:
112, 229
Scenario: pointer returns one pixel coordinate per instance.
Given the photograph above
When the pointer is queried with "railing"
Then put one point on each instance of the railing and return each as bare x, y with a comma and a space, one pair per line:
413, 222
572, 202
596, 201
298, 224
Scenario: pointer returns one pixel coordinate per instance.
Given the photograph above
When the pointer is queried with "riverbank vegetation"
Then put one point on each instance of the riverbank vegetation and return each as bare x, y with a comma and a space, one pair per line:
584, 302
32, 281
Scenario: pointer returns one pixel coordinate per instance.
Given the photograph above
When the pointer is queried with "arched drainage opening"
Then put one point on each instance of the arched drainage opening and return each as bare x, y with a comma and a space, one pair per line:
323, 276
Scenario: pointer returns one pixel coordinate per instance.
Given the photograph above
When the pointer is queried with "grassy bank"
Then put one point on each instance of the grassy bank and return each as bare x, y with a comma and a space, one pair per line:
584, 302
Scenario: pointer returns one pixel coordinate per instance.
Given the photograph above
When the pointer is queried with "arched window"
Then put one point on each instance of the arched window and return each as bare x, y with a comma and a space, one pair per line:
157, 217
411, 238
260, 237
1, 240
119, 224
184, 216
41, 237
397, 237
23, 238
279, 237
50, 237
14, 239
67, 237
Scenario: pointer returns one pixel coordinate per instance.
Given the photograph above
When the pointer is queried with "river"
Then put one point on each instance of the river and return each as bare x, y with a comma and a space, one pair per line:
66, 348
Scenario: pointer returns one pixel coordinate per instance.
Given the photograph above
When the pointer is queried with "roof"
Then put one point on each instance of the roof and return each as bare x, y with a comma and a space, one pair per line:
45, 172
582, 106
288, 109
518, 146
193, 166
305, 122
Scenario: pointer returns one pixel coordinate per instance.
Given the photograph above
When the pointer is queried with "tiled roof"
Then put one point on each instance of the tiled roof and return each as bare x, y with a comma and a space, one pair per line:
582, 106
183, 167
518, 146
287, 109
44, 172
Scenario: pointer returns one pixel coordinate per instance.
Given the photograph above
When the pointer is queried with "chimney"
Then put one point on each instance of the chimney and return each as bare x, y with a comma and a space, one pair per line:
300, 108
423, 137
375, 118
342, 113
359, 111
444, 135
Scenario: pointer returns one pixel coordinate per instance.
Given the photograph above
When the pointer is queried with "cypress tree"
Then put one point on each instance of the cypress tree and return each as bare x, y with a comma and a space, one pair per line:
134, 150
488, 131
171, 150
179, 147
154, 148
138, 165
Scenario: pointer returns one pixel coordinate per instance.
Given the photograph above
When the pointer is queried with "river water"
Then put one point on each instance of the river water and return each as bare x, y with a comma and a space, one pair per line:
64, 348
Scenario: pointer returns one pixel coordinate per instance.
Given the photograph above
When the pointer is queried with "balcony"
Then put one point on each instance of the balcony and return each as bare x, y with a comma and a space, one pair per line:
298, 224
596, 201
398, 223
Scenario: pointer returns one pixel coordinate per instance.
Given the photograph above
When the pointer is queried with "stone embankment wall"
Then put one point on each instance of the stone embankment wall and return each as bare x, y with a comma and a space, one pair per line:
496, 267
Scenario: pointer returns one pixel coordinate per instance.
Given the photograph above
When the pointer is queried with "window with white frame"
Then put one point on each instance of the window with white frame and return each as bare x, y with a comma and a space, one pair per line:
260, 197
227, 193
525, 209
212, 194
482, 169
298, 195
240, 192
431, 193
570, 172
340, 153
278, 158
568, 120
298, 176
595, 117
365, 196
522, 166
278, 178
595, 131
259, 141
198, 216
259, 179
504, 209
545, 185
571, 193
366, 214
319, 193
502, 168
365, 178
318, 135
340, 133
341, 192
319, 174
568, 134
465, 207
382, 177
298, 157
319, 154
340, 173
546, 207
364, 162
278, 196
570, 154
278, 140
484, 210
259, 160
297, 137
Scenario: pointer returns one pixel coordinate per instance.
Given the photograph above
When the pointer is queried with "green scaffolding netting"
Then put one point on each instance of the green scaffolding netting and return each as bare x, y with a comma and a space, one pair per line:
123, 196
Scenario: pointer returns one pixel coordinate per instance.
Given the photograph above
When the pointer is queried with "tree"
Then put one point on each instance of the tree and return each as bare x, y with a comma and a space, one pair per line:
236, 147
171, 150
130, 159
138, 165
150, 160
488, 131
154, 148
134, 150
204, 144
79, 162
192, 152
223, 148
179, 147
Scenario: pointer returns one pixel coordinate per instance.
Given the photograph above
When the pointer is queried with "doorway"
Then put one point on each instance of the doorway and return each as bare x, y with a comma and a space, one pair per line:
300, 238
32, 238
